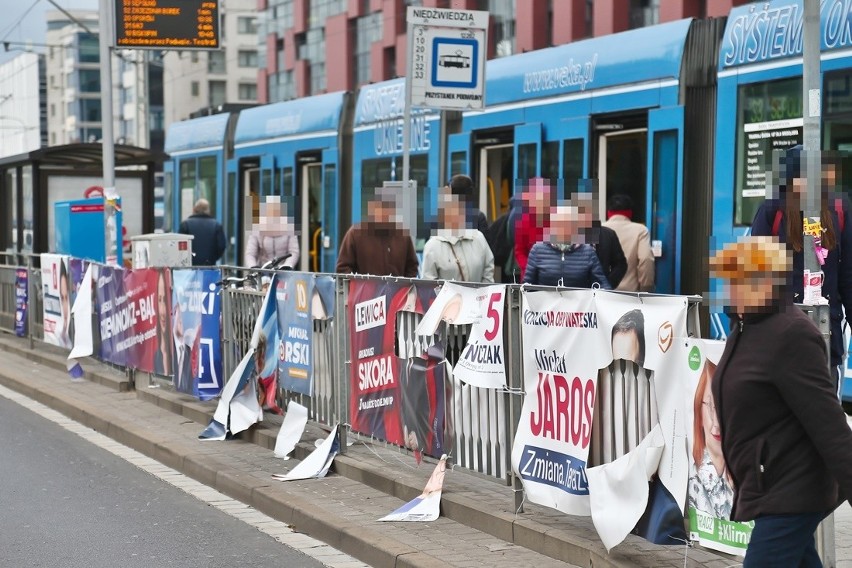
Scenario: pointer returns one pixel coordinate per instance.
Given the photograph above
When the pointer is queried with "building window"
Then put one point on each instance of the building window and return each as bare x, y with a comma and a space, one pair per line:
247, 58
90, 80
193, 57
368, 29
216, 62
644, 13
89, 48
217, 93
317, 72
193, 87
246, 25
52, 109
248, 92
90, 110
502, 14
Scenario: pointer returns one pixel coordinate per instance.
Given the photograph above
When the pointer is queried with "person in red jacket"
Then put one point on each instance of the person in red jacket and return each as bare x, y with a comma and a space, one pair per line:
534, 219
785, 439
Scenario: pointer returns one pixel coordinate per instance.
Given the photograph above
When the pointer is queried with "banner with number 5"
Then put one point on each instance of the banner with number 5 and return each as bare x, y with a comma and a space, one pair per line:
482, 362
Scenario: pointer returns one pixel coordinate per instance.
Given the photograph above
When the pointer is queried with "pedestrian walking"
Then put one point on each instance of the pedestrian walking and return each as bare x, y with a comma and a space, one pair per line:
462, 187
561, 260
378, 246
781, 217
208, 237
456, 251
785, 439
635, 244
273, 236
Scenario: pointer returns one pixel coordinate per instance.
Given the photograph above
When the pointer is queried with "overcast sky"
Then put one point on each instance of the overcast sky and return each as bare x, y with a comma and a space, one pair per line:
25, 20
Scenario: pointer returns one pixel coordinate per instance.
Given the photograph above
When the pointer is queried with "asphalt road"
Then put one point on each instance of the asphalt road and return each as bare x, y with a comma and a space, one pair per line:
67, 503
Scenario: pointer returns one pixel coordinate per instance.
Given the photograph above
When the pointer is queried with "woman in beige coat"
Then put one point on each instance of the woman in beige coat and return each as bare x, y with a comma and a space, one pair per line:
457, 252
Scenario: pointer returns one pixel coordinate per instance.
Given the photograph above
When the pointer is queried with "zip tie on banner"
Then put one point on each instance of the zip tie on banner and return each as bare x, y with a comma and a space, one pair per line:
521, 505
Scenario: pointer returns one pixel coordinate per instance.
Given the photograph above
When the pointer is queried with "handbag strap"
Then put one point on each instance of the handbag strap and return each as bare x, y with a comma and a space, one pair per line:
458, 262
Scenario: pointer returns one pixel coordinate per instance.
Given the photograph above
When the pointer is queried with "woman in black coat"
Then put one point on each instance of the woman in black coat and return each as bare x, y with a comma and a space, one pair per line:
785, 439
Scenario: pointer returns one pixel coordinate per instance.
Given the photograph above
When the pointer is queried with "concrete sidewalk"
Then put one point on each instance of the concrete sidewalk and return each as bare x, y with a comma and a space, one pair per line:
478, 526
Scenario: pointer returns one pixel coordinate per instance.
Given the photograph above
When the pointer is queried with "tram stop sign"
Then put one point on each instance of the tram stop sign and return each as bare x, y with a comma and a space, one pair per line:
446, 58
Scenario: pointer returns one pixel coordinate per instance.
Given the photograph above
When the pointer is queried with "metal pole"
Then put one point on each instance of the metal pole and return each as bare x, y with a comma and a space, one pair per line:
409, 201
811, 136
110, 231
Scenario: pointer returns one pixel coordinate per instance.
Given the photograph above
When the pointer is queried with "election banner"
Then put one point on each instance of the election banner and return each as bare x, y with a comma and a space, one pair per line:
114, 320
57, 290
82, 314
146, 306
639, 431
563, 351
195, 324
711, 493
482, 361
21, 301
427, 506
318, 462
375, 403
294, 295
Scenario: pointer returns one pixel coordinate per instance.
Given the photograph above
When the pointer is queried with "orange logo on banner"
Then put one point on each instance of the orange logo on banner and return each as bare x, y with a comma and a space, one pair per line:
301, 296
665, 336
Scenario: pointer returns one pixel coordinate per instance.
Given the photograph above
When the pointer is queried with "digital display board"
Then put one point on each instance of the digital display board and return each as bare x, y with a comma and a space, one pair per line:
167, 24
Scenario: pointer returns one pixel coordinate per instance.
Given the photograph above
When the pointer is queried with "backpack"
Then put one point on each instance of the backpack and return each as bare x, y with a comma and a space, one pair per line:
838, 208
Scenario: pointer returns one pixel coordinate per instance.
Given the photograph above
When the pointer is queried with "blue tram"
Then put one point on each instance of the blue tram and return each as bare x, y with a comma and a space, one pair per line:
617, 109
760, 104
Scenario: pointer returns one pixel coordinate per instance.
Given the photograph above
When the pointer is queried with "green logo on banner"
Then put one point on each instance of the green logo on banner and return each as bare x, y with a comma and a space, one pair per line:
694, 358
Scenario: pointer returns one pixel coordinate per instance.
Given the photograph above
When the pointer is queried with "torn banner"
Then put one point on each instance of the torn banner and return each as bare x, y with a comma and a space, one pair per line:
426, 507
317, 464
239, 406
82, 314
291, 430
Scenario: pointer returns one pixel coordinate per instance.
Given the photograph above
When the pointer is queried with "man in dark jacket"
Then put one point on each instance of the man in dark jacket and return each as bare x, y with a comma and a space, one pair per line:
208, 242
379, 246
784, 435
603, 239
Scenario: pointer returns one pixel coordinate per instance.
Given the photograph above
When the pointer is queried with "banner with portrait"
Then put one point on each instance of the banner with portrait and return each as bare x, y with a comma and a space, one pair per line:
114, 319
21, 301
294, 294
195, 327
710, 495
57, 290
147, 293
482, 361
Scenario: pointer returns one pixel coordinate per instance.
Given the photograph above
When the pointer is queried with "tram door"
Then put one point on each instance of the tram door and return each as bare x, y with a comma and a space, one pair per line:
310, 219
248, 201
495, 179
622, 168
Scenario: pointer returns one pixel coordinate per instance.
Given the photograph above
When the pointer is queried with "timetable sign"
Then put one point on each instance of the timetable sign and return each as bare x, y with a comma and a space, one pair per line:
167, 24
446, 58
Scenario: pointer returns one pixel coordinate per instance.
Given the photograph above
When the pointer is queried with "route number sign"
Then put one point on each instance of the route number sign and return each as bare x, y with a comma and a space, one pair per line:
446, 58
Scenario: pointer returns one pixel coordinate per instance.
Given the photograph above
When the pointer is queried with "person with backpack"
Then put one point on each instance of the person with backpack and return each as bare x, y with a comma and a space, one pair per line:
781, 217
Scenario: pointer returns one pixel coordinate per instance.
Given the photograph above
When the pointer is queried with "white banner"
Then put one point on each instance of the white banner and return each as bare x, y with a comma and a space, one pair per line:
57, 289
599, 380
426, 507
82, 312
317, 464
291, 430
482, 362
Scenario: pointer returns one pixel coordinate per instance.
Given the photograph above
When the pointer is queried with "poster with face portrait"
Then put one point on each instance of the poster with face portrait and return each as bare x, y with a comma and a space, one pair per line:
294, 294
194, 329
146, 302
398, 391
710, 495
57, 291
482, 361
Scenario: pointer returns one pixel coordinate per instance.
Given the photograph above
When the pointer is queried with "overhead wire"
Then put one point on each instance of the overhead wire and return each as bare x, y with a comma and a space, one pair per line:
12, 27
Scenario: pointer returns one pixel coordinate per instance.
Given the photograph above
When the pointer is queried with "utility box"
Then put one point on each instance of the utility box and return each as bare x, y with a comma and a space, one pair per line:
80, 228
156, 250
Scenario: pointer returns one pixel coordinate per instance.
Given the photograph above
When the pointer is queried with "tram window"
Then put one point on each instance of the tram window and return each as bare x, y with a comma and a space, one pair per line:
550, 161
168, 180
207, 180
187, 187
27, 202
458, 163
769, 117
278, 190
231, 253
526, 161
572, 163
266, 182
287, 182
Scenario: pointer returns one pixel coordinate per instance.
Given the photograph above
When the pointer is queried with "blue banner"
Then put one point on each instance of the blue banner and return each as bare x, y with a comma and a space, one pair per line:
115, 317
196, 309
293, 294
21, 301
